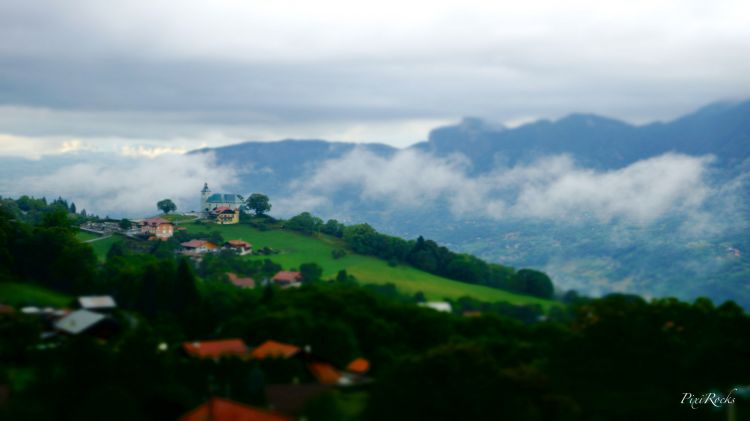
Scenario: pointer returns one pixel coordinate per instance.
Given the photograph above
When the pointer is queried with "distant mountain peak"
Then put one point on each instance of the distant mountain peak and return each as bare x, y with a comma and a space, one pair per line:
590, 120
477, 124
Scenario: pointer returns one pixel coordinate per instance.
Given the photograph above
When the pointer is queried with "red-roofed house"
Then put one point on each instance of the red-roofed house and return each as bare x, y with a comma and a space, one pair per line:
216, 349
225, 215
286, 279
158, 227
218, 409
273, 349
248, 283
239, 246
200, 246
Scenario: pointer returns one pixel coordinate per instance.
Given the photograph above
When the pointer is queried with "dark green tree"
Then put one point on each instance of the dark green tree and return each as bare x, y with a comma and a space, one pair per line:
185, 291
258, 203
534, 283
125, 224
304, 223
342, 276
334, 228
311, 272
166, 205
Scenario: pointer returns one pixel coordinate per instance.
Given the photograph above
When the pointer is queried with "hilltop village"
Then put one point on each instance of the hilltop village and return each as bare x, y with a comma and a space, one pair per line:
227, 313
215, 208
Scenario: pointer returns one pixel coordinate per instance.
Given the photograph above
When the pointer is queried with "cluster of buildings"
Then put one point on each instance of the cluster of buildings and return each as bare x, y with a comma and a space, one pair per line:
284, 279
157, 228
287, 400
222, 208
219, 208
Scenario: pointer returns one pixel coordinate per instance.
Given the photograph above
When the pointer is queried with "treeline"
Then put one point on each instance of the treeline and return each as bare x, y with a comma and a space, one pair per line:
428, 256
47, 253
32, 210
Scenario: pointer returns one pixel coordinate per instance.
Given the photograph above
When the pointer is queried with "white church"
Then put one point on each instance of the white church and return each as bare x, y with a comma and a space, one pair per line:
211, 202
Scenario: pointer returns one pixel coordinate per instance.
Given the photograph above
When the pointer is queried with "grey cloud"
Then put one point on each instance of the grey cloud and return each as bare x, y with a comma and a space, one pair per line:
130, 187
175, 66
552, 188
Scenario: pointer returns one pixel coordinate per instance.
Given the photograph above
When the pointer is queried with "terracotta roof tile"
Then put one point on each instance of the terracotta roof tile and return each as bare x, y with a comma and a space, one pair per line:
324, 372
216, 348
218, 409
239, 243
286, 276
241, 282
358, 366
273, 349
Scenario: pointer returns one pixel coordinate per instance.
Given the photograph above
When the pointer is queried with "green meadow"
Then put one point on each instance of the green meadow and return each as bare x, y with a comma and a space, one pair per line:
17, 294
86, 236
295, 248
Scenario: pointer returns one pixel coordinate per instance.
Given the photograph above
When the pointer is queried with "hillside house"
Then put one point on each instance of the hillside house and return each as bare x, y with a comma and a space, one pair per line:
240, 247
224, 215
157, 227
248, 283
198, 246
287, 279
88, 322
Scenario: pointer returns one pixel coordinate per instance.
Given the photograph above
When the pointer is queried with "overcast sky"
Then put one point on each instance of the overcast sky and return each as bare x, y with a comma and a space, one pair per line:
123, 75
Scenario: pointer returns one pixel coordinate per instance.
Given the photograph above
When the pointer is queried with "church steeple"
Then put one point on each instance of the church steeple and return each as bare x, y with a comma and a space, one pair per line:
205, 193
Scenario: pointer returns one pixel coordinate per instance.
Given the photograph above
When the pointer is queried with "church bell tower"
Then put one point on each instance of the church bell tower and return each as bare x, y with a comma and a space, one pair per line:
205, 193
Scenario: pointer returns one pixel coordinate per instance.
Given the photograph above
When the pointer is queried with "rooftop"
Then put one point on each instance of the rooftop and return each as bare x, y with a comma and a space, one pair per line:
286, 276
225, 198
325, 373
273, 349
97, 302
216, 348
219, 409
358, 366
78, 321
241, 282
198, 243
239, 243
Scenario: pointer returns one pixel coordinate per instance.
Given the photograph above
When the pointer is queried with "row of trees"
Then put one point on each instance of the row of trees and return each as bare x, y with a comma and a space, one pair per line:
427, 255
257, 202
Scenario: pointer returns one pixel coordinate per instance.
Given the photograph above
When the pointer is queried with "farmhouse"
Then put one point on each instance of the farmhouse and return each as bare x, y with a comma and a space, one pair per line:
241, 247
199, 246
248, 283
158, 227
287, 279
224, 215
210, 201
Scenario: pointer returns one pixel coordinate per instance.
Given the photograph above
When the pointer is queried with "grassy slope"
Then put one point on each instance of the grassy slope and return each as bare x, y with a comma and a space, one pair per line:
86, 236
101, 247
297, 249
25, 294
